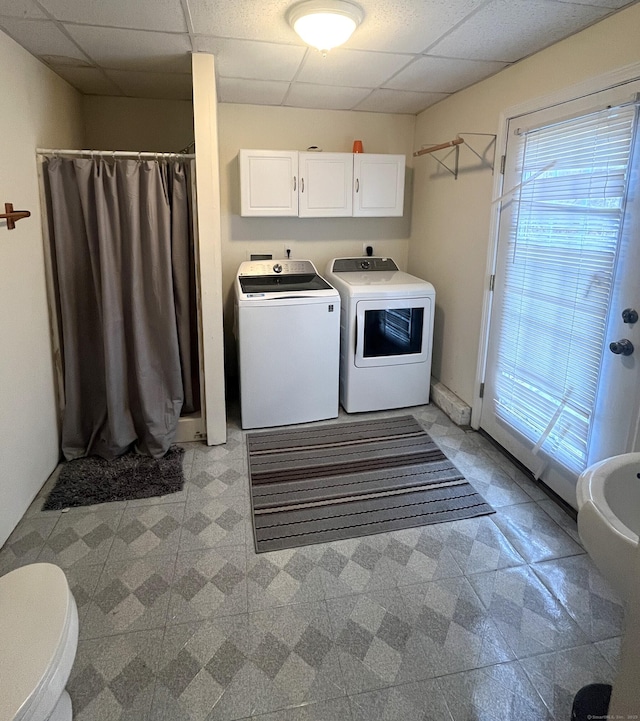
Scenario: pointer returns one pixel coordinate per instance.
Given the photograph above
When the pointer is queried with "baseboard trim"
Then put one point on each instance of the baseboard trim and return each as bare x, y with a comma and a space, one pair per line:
449, 403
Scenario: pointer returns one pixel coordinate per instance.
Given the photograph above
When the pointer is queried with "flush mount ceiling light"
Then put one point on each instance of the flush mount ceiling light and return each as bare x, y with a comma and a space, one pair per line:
324, 24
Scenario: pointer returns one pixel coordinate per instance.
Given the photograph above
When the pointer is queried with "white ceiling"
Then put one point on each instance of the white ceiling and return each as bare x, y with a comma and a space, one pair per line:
405, 56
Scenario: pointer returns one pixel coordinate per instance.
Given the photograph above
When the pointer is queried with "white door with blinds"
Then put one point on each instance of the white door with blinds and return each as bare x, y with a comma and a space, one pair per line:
562, 380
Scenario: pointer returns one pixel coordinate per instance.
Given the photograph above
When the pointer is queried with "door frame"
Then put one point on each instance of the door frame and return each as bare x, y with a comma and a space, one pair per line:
619, 76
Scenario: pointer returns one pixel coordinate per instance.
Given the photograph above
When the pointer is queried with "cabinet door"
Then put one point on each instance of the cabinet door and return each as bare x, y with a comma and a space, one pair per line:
268, 182
378, 185
325, 185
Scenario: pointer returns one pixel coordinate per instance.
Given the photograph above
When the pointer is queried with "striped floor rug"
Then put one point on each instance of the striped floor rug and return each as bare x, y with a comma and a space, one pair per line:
313, 485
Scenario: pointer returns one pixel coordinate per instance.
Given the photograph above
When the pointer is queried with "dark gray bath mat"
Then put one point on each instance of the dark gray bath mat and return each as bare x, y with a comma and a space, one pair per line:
86, 481
344, 480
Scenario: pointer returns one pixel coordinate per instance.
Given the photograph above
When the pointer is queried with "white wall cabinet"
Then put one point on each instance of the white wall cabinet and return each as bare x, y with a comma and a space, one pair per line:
378, 188
269, 182
320, 185
325, 184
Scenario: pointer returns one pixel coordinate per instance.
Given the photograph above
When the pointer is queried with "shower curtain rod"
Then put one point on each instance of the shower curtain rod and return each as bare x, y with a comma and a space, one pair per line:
114, 154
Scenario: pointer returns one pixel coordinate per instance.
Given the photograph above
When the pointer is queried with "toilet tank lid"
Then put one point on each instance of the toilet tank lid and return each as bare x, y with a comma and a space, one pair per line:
34, 603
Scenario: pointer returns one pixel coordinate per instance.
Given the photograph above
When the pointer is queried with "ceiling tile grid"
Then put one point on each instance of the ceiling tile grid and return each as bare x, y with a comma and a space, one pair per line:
136, 50
405, 56
329, 97
89, 81
251, 59
507, 30
252, 92
442, 75
399, 101
351, 68
164, 15
43, 37
20, 9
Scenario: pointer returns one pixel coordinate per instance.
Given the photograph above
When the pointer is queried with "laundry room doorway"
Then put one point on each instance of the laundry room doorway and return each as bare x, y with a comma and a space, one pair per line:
561, 385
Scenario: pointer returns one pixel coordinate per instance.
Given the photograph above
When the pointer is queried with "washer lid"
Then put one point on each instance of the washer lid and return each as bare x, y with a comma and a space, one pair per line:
34, 603
308, 282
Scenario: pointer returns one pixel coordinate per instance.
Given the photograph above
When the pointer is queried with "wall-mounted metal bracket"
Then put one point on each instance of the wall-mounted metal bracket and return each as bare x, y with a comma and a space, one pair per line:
455, 143
13, 216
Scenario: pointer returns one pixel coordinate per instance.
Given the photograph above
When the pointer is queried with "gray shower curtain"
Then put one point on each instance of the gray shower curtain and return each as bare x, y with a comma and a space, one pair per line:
122, 250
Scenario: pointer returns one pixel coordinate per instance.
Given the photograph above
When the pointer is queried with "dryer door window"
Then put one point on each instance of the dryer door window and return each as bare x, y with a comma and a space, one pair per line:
391, 332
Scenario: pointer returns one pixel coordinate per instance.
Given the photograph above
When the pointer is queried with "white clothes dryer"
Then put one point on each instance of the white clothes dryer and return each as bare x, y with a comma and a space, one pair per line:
386, 334
287, 326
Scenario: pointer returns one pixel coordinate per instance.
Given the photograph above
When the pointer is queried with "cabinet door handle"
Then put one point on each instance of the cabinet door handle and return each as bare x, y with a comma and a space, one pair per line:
295, 184
357, 185
302, 185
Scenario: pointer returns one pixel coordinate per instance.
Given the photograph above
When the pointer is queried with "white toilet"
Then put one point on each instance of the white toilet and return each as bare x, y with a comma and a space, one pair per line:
38, 642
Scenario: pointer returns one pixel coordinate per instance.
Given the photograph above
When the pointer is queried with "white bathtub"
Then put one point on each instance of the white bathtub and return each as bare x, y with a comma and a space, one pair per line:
608, 496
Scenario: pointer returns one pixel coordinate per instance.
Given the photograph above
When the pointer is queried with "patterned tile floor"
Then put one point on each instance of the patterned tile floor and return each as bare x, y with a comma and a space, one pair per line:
489, 619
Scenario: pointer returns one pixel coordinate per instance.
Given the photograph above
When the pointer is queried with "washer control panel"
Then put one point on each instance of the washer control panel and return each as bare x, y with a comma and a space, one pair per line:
276, 267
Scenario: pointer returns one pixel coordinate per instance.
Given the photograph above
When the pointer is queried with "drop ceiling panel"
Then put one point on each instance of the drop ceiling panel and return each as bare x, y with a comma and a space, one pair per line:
20, 9
134, 49
163, 86
89, 81
42, 37
506, 30
303, 95
351, 68
399, 101
611, 4
252, 60
408, 52
445, 75
140, 14
246, 19
252, 92
408, 26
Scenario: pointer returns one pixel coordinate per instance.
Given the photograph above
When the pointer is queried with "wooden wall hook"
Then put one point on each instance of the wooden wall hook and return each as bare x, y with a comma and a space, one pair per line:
12, 216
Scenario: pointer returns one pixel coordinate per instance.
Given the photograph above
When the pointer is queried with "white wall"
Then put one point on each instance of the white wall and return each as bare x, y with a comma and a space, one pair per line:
137, 124
38, 109
450, 229
320, 239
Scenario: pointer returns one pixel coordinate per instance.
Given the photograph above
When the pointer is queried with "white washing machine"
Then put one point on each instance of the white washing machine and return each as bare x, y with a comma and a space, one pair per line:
287, 326
386, 334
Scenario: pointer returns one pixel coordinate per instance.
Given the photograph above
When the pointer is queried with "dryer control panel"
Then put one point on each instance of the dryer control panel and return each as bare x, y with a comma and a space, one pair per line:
357, 265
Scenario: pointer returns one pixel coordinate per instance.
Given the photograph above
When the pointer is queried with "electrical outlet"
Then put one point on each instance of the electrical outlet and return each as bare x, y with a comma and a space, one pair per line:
365, 246
287, 247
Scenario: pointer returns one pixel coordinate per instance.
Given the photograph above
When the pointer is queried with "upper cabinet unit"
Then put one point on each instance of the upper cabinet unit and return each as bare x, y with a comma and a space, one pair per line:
269, 182
326, 180
320, 185
378, 188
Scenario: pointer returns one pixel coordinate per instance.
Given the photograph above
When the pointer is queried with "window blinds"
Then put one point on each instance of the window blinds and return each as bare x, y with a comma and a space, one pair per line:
561, 258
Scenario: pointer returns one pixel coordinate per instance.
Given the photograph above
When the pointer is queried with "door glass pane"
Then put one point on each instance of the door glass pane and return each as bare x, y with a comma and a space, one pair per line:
559, 271
393, 332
